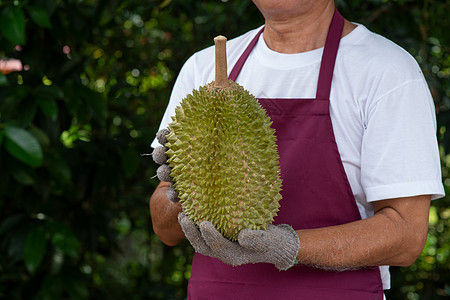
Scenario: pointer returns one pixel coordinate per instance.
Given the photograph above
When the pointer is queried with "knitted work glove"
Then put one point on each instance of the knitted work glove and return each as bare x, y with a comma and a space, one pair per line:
277, 245
163, 171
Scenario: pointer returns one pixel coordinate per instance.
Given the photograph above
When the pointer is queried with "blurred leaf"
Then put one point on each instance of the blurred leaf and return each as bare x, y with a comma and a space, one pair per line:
49, 108
59, 168
22, 176
73, 95
8, 224
51, 287
34, 249
76, 289
23, 145
97, 106
3, 80
12, 97
65, 239
130, 161
25, 115
39, 16
49, 5
50, 91
40, 135
14, 108
108, 10
12, 24
16, 241
447, 289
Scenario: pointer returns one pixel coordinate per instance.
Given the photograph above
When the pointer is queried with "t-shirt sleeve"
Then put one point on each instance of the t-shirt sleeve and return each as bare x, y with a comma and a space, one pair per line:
399, 154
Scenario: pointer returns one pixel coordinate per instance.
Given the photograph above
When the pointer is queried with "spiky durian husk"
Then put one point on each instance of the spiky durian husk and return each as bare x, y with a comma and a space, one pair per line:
224, 159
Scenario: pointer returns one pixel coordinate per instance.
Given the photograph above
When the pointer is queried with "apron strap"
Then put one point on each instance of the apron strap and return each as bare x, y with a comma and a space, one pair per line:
329, 56
241, 61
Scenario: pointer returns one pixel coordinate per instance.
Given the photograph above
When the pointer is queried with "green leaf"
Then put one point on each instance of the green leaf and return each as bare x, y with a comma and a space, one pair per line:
2, 134
22, 176
65, 239
76, 288
130, 161
109, 11
447, 289
72, 95
51, 286
23, 145
96, 105
49, 108
12, 24
3, 80
9, 223
39, 16
59, 168
34, 249
25, 114
50, 91
41, 136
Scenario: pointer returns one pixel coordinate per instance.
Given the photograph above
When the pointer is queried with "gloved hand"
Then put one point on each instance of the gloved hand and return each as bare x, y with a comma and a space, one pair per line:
163, 171
277, 245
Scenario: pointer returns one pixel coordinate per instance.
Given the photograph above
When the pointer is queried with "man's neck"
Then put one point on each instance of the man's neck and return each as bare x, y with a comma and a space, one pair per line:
302, 32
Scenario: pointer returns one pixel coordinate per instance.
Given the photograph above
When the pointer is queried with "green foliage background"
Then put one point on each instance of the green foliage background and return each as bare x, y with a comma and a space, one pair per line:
74, 188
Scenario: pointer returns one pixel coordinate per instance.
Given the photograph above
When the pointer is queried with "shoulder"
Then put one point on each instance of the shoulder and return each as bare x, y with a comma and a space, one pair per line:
373, 68
378, 56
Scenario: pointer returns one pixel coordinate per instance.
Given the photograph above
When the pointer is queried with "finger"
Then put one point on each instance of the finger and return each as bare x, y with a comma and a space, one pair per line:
159, 155
172, 194
161, 136
193, 234
163, 173
213, 238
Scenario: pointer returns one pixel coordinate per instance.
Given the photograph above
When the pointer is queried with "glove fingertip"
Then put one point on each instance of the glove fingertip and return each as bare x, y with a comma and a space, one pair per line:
172, 194
163, 173
209, 232
192, 233
181, 216
213, 238
188, 226
161, 136
159, 155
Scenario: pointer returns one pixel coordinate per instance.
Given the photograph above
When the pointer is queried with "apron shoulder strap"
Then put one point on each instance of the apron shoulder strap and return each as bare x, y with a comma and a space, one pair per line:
329, 56
241, 61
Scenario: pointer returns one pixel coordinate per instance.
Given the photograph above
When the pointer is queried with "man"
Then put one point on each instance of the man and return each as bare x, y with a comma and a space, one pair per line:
359, 161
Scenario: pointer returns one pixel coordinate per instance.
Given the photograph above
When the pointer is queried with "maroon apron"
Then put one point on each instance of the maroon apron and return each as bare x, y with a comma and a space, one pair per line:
316, 193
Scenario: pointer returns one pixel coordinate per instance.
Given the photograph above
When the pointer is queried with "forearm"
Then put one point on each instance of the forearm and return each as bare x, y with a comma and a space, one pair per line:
387, 238
164, 216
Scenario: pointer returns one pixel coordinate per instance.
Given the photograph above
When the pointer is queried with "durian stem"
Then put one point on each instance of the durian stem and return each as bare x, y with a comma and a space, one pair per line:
221, 81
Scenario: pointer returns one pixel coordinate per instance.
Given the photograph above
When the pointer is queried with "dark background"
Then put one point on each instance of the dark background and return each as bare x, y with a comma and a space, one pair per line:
74, 189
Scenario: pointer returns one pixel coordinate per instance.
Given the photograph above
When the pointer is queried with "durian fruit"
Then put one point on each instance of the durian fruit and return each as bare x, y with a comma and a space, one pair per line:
223, 155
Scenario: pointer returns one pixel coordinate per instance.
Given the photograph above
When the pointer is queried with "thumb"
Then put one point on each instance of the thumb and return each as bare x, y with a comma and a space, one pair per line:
213, 237
191, 232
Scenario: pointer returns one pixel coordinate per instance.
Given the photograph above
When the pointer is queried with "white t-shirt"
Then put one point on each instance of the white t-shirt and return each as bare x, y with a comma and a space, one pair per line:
381, 109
